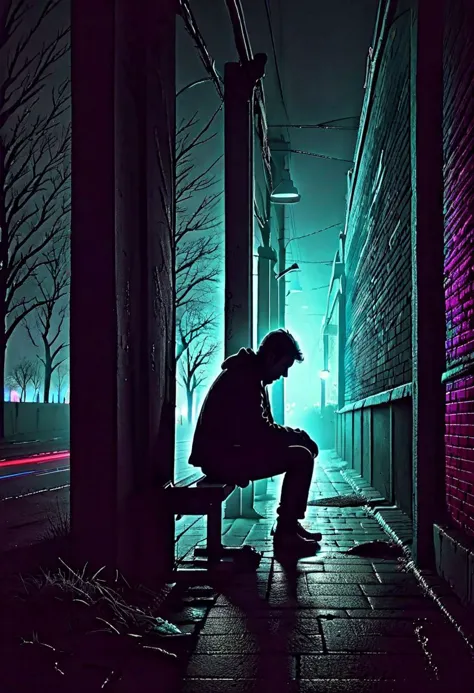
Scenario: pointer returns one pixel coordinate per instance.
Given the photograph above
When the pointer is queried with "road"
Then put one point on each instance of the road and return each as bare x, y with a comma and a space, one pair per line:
23, 471
40, 473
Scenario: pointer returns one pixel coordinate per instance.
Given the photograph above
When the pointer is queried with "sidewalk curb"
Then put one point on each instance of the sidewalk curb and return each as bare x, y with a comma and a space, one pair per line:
431, 583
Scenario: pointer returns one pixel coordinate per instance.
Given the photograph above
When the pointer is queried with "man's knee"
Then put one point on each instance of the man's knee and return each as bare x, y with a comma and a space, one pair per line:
301, 455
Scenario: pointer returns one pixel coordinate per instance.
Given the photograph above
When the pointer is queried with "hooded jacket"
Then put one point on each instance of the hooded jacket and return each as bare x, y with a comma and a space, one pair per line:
236, 414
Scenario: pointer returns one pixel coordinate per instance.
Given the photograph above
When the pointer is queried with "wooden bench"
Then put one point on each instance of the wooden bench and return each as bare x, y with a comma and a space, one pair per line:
197, 495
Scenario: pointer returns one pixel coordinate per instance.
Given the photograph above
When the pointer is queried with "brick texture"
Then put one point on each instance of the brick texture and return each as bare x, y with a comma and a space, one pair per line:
459, 256
378, 250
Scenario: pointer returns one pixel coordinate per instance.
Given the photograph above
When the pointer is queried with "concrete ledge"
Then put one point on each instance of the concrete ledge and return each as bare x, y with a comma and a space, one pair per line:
380, 398
454, 553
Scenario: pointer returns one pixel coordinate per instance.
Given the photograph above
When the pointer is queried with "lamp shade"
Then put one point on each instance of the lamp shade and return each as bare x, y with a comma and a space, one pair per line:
285, 192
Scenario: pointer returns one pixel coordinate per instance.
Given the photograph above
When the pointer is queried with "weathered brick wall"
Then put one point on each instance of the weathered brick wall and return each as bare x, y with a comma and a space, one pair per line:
459, 257
378, 264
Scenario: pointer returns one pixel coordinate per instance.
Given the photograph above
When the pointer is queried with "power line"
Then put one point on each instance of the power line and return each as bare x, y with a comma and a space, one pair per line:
193, 30
321, 156
316, 126
313, 233
277, 69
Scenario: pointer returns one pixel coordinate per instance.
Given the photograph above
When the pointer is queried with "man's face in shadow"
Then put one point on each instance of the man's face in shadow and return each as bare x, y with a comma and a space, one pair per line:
275, 367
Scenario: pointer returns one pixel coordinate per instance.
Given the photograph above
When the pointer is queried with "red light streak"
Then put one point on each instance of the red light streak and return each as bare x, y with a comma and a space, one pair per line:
37, 459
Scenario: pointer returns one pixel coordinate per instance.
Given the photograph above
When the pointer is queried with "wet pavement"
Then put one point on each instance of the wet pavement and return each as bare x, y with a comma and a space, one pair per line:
334, 623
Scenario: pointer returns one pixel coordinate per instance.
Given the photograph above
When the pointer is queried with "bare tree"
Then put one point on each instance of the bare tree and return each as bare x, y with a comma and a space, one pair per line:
21, 376
197, 218
193, 366
37, 379
192, 322
61, 379
34, 155
50, 314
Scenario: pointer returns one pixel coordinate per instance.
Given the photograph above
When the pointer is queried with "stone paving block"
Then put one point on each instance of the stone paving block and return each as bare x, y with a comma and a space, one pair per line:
354, 686
241, 666
401, 603
230, 685
319, 589
388, 566
355, 666
372, 635
338, 602
405, 589
330, 567
346, 578
430, 614
392, 578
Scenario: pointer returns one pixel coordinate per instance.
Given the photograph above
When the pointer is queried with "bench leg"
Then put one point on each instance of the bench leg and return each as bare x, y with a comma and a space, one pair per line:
214, 532
233, 504
248, 497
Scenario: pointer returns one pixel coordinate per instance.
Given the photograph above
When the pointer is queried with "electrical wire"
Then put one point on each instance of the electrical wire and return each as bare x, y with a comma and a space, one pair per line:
313, 233
326, 125
336, 128
244, 50
321, 156
193, 30
277, 69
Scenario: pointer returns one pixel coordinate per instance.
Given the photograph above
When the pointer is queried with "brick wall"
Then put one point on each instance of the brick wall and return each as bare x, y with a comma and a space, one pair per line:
459, 257
378, 263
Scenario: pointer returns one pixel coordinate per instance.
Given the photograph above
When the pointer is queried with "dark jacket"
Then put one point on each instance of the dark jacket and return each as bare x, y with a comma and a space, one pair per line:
236, 414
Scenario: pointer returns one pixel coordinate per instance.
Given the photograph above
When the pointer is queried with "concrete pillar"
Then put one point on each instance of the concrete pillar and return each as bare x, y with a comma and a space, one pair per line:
274, 299
122, 323
341, 343
428, 310
325, 368
263, 300
239, 86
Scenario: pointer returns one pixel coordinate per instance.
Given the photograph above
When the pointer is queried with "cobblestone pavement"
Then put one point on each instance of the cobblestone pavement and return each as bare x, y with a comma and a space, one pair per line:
333, 623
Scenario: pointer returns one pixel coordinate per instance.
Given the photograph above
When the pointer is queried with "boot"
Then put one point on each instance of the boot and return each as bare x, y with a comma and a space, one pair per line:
286, 539
302, 532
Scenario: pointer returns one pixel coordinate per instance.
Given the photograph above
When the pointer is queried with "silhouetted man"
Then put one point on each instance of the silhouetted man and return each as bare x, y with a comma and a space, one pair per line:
236, 439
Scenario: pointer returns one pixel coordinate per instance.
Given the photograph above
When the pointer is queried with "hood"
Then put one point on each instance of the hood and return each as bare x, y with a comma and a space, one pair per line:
245, 358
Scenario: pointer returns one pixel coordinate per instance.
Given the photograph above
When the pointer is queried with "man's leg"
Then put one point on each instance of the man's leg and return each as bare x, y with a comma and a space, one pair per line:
296, 462
299, 470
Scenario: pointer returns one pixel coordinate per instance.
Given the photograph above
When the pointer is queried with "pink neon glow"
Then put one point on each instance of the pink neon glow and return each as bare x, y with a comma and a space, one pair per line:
37, 459
14, 396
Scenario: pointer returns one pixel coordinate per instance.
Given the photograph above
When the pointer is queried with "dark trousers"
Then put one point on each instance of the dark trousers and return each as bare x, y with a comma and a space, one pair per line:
295, 462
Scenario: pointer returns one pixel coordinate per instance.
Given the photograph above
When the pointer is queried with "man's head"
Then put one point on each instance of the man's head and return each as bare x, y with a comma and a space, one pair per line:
277, 353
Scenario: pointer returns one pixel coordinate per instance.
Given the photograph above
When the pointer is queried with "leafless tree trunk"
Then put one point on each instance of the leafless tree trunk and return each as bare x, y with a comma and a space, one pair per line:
197, 240
22, 375
193, 365
50, 314
192, 322
61, 377
37, 380
34, 155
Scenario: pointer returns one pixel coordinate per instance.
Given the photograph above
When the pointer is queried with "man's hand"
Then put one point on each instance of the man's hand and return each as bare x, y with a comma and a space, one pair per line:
308, 442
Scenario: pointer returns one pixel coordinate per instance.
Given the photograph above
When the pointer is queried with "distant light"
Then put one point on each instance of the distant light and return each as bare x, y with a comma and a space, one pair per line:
184, 410
324, 374
14, 396
305, 307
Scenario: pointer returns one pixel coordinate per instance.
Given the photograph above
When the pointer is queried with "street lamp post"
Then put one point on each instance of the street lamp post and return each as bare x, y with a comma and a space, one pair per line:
283, 194
240, 80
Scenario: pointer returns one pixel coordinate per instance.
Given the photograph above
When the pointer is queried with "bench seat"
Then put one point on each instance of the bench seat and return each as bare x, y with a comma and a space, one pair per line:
199, 495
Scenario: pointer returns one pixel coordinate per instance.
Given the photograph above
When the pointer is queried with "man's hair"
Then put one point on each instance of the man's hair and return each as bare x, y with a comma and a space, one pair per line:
281, 343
